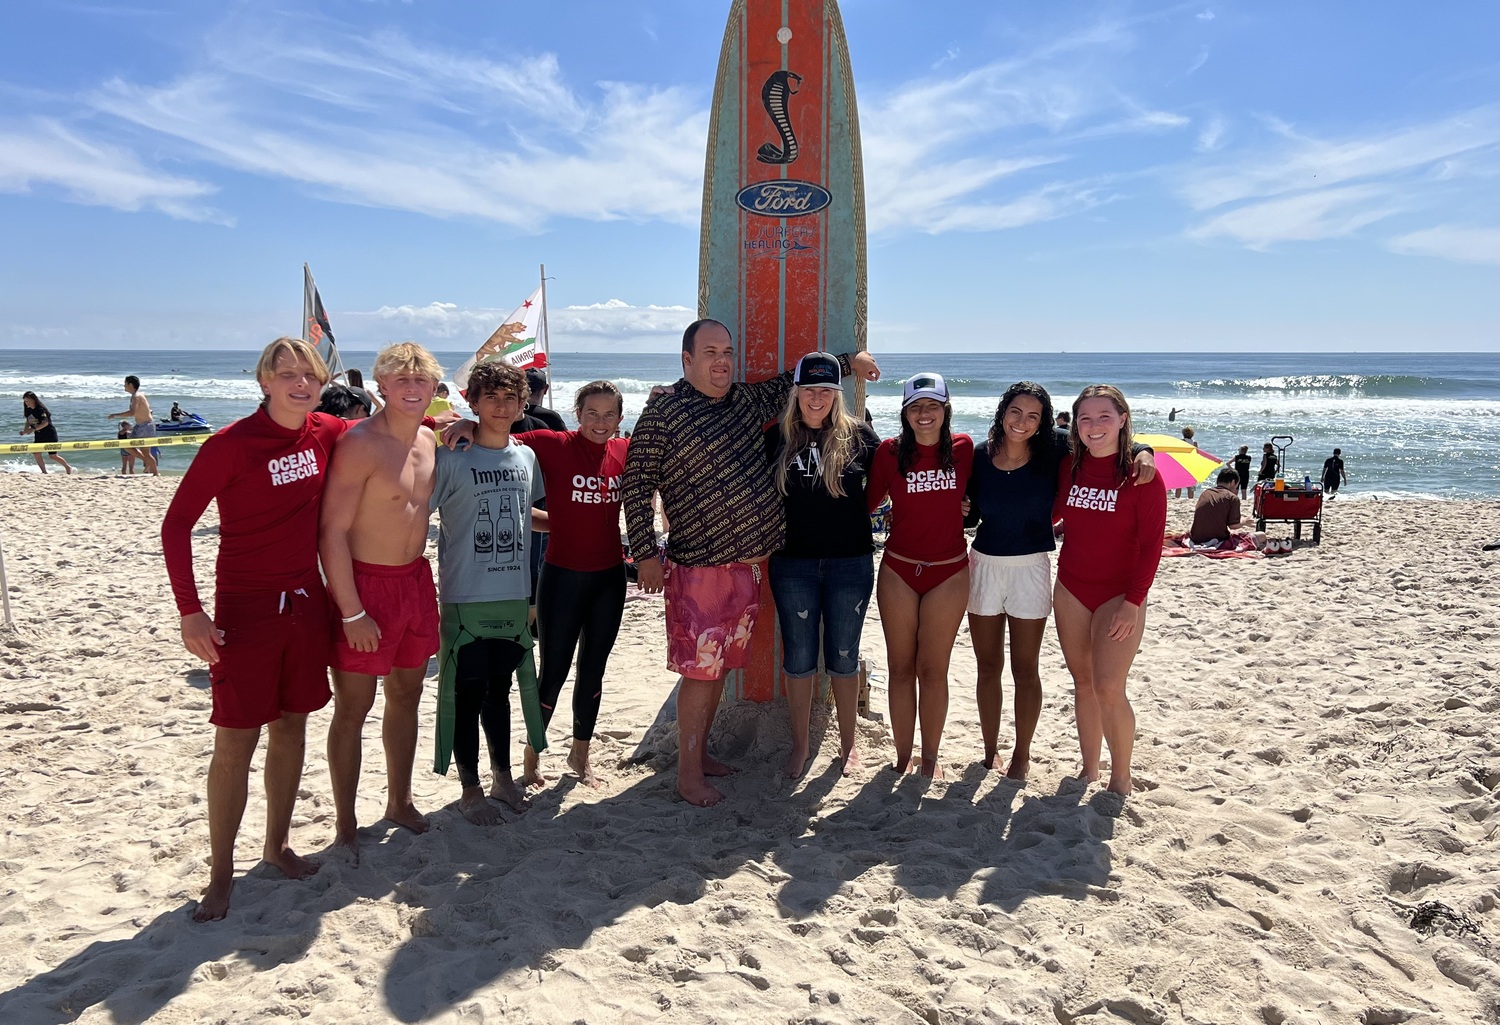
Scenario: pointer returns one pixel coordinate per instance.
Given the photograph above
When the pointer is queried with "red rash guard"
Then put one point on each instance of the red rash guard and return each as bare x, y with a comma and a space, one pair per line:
1112, 532
927, 520
269, 484
583, 497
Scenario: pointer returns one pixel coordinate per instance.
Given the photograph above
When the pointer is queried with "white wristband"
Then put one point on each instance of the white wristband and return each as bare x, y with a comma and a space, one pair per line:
354, 618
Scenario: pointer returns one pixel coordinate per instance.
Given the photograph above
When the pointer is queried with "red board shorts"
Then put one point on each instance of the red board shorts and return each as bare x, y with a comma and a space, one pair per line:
274, 658
403, 603
711, 612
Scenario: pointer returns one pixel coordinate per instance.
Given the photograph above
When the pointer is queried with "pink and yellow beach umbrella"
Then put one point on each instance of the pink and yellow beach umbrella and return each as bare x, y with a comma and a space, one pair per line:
1179, 464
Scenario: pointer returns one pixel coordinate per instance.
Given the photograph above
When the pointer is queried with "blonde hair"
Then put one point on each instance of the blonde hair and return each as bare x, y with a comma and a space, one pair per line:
409, 358
835, 442
1075, 441
295, 349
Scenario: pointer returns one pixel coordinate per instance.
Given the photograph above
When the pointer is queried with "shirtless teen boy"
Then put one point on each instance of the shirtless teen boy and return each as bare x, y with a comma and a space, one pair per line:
373, 533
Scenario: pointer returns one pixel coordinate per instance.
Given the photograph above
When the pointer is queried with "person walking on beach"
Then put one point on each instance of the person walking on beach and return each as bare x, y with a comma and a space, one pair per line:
1187, 436
145, 427
923, 585
127, 455
1334, 473
581, 597
1012, 490
266, 644
483, 494
822, 577
1242, 469
700, 446
39, 425
371, 540
1111, 547
1268, 464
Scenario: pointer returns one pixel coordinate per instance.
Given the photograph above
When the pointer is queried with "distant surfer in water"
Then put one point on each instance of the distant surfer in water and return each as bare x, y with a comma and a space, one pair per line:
1172, 416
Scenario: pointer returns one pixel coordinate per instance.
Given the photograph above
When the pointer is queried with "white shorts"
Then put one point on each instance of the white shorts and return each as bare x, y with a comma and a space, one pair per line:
1015, 585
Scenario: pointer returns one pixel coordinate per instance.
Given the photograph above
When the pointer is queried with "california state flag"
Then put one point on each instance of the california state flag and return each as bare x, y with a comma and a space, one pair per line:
517, 341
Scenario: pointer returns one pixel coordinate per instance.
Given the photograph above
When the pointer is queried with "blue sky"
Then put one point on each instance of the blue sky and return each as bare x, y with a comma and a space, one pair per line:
1239, 176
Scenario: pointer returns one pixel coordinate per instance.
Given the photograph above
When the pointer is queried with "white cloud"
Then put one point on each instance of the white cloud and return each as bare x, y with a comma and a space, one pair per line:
43, 153
1211, 137
1326, 213
1469, 245
1205, 15
570, 326
1305, 188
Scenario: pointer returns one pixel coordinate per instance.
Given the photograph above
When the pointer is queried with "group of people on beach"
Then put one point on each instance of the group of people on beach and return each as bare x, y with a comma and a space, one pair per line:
299, 489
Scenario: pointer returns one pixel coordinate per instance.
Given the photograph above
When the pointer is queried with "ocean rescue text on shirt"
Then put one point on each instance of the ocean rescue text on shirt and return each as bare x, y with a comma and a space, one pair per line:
596, 490
932, 480
293, 467
1102, 499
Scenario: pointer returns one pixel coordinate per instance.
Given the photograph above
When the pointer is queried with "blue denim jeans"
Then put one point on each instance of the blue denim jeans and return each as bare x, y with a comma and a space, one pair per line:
821, 600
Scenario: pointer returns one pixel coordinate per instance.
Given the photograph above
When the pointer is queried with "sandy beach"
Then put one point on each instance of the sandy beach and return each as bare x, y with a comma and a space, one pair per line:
1316, 840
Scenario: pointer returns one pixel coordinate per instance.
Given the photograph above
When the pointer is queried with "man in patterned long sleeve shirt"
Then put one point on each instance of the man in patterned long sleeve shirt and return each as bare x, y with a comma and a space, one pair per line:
700, 446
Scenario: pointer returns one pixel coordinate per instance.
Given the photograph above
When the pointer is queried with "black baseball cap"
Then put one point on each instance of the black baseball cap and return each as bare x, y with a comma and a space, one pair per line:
817, 370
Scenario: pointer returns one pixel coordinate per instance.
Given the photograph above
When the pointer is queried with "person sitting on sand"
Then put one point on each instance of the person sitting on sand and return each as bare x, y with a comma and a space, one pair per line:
1111, 548
373, 532
484, 494
1218, 510
267, 643
702, 438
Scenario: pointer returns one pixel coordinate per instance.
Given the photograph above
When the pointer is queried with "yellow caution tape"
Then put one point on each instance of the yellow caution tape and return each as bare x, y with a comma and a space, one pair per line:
79, 446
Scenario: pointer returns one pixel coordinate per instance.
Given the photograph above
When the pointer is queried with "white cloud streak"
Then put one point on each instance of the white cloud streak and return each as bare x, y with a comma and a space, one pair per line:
41, 153
570, 326
1448, 242
1308, 188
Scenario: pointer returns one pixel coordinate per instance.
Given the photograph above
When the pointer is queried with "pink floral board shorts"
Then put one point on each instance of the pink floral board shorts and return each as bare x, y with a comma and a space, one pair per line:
711, 612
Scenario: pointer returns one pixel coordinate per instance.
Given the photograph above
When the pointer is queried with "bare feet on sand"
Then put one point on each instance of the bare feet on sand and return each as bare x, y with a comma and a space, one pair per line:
1087, 776
292, 864
578, 761
477, 808
531, 774
713, 767
796, 763
931, 768
504, 789
705, 796
215, 902
851, 761
1019, 766
989, 760
1120, 784
348, 839
407, 816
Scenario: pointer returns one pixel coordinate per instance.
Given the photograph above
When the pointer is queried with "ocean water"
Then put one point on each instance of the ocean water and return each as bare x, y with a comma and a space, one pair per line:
1411, 425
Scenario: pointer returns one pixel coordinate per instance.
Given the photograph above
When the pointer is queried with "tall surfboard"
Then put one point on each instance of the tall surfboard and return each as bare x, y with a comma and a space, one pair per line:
782, 255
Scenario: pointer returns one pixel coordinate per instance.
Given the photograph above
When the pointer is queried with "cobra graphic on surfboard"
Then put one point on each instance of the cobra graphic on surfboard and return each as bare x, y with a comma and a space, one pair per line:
774, 95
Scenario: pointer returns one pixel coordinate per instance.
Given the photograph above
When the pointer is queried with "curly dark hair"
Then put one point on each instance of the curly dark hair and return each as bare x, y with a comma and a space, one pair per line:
906, 451
495, 375
1042, 446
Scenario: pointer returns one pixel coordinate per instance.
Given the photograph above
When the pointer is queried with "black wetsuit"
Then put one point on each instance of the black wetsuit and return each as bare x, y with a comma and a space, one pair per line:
579, 610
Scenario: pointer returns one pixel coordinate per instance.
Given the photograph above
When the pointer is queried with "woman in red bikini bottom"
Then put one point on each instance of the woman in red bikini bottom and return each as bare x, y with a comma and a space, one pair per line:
923, 586
1112, 535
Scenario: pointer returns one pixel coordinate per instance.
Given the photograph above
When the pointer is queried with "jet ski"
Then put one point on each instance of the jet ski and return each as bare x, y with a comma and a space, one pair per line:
191, 423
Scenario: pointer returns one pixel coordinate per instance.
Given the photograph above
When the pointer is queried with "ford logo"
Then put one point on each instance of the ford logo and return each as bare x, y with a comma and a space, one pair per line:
783, 197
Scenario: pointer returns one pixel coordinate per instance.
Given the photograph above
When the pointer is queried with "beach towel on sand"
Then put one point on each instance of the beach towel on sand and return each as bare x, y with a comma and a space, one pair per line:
484, 620
1240, 546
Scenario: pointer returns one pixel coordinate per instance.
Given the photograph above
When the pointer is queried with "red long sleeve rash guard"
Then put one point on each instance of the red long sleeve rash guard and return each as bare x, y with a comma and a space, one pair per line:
268, 481
927, 519
583, 497
1112, 532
